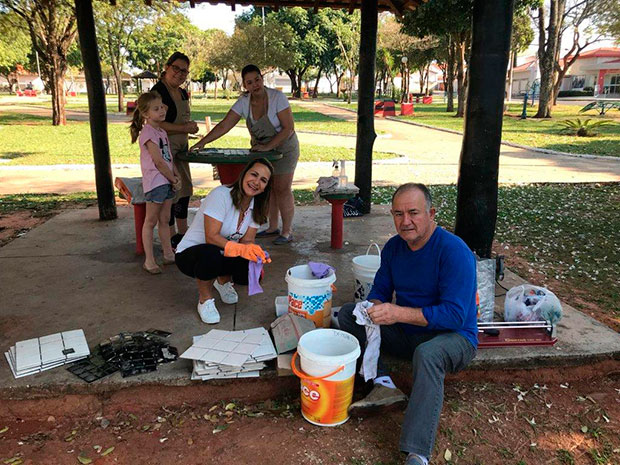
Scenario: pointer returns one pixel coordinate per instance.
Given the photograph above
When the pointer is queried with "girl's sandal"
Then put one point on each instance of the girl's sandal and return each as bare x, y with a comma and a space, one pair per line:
156, 270
168, 261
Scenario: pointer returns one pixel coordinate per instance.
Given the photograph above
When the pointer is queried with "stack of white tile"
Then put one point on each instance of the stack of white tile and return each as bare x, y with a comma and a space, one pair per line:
230, 354
39, 354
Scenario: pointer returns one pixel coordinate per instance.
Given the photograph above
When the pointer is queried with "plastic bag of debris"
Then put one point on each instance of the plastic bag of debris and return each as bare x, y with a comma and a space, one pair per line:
485, 275
532, 303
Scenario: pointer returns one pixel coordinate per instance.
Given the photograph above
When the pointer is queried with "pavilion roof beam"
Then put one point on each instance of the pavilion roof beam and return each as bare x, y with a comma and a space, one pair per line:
395, 9
352, 5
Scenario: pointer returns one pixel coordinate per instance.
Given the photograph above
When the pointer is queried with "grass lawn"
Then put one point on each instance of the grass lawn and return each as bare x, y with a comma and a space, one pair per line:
32, 140
305, 119
531, 132
563, 236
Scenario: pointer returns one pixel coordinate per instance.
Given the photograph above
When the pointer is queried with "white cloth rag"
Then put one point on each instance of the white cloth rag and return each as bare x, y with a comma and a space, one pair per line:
373, 340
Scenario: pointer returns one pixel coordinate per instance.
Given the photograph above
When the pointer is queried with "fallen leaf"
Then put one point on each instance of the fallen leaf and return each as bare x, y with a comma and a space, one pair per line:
229, 406
584, 429
107, 451
132, 416
85, 460
190, 441
447, 455
162, 440
219, 428
97, 448
4, 430
213, 408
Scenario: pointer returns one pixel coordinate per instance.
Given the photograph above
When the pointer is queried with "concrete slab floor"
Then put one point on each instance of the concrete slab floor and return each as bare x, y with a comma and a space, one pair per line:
75, 271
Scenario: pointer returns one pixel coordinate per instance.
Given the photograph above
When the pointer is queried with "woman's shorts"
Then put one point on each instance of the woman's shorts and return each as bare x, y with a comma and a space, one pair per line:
160, 194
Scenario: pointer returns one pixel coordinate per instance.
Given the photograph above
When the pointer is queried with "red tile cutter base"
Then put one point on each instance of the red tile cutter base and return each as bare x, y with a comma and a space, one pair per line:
515, 334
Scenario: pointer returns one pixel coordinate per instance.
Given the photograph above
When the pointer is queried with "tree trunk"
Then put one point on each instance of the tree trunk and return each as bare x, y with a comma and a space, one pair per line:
460, 76
315, 91
338, 81
57, 85
449, 84
476, 211
365, 103
548, 47
119, 91
215, 91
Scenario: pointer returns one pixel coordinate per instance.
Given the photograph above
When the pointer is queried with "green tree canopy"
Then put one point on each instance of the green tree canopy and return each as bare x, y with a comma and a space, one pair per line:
15, 45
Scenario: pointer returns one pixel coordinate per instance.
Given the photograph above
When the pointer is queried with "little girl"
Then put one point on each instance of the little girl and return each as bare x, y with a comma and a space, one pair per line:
159, 178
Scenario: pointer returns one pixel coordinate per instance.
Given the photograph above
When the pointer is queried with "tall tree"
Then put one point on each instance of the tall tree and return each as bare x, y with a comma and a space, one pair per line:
549, 24
274, 39
151, 44
577, 17
220, 57
52, 28
608, 20
15, 45
305, 44
451, 20
522, 37
346, 29
115, 27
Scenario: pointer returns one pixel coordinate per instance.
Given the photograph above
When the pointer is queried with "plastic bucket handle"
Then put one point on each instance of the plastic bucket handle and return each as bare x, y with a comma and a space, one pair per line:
376, 245
302, 375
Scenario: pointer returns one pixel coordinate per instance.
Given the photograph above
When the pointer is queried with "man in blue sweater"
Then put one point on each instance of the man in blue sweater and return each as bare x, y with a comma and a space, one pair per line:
433, 322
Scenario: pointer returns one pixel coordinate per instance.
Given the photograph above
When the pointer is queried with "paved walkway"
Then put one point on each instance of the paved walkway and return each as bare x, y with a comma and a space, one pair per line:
75, 271
427, 155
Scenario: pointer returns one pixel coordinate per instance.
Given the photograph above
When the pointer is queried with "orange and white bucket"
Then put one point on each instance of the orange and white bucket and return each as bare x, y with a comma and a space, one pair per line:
327, 359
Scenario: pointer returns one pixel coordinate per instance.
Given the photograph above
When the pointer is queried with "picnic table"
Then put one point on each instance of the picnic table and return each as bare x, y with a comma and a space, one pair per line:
229, 162
602, 106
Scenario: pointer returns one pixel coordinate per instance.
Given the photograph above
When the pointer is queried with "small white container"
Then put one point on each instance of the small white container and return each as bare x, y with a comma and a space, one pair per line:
281, 305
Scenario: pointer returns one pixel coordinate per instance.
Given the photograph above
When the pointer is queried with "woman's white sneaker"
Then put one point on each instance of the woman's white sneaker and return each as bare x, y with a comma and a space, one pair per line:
208, 313
227, 292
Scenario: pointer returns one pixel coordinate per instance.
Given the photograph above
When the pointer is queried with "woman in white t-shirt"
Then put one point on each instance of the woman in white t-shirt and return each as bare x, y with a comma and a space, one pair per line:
216, 249
269, 119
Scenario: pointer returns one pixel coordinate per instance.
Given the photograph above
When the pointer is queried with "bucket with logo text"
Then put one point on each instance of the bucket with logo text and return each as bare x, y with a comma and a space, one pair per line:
327, 358
310, 297
364, 270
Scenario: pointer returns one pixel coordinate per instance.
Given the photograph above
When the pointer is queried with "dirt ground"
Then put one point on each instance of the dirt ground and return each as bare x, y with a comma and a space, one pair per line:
538, 417
563, 418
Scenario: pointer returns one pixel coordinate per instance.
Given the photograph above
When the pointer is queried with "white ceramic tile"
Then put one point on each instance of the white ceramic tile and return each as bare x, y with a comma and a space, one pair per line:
226, 345
214, 356
235, 359
50, 338
236, 336
244, 348
27, 354
52, 352
194, 353
253, 339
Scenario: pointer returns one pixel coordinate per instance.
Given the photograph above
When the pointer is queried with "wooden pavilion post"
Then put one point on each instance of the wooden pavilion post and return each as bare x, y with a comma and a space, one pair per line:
96, 109
476, 211
365, 102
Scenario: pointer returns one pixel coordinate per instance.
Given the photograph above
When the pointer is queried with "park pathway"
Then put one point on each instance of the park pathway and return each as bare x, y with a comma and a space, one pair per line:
426, 155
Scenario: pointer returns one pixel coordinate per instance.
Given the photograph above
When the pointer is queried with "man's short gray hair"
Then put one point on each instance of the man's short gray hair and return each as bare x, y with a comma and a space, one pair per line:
415, 185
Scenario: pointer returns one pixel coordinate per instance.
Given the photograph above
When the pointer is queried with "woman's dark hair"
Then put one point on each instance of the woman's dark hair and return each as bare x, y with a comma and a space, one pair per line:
249, 69
261, 201
178, 56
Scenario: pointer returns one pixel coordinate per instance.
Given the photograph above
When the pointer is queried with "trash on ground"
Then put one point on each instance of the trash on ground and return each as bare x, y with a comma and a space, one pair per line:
39, 354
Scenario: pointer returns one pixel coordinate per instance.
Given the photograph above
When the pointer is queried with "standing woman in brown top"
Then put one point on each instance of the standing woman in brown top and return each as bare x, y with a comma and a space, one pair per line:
178, 125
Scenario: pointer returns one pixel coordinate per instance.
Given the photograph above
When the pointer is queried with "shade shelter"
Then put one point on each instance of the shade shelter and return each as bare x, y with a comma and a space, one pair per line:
477, 192
143, 75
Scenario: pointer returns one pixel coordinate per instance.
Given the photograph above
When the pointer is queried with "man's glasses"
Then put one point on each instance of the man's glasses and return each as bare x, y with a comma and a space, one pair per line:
177, 70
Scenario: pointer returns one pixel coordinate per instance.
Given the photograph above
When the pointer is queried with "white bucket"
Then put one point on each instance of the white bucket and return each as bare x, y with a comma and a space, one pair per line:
364, 269
327, 359
309, 297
